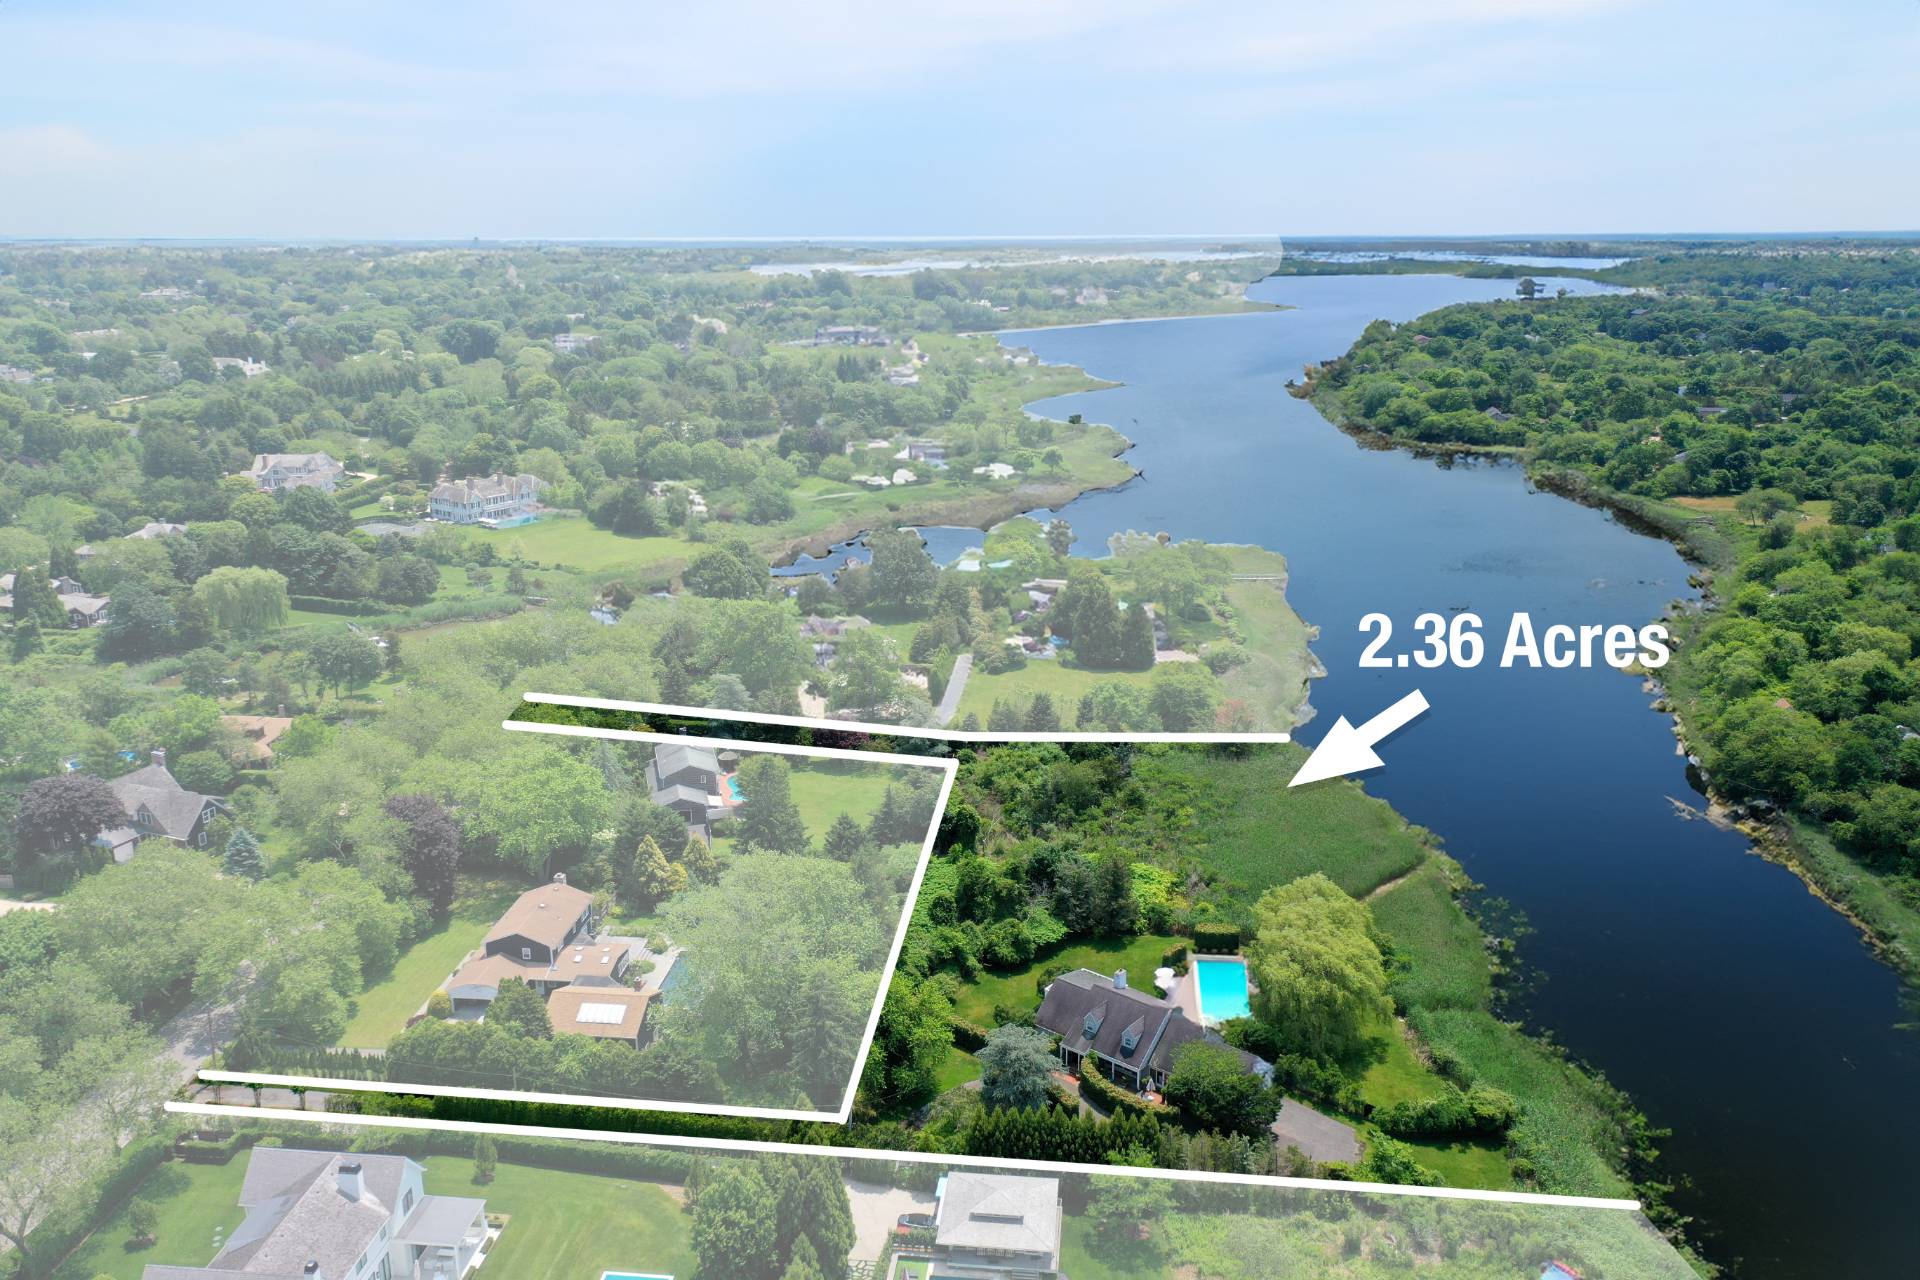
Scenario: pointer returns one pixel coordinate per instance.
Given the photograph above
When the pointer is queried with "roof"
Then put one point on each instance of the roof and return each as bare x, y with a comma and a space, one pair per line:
592, 1009
600, 956
297, 1211
261, 732
672, 758
999, 1211
488, 972
497, 485
174, 808
441, 1220
545, 913
294, 462
1128, 1025
680, 793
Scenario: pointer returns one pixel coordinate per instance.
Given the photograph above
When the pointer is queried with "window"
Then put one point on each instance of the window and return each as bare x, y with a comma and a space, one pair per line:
406, 1201
526, 953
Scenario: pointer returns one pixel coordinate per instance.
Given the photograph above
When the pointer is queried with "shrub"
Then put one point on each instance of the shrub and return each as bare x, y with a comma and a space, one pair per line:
440, 1005
1212, 937
143, 1220
1175, 958
1113, 1099
970, 1036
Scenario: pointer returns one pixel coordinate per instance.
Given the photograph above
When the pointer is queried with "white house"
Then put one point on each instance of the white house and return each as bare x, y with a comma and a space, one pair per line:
340, 1215
275, 472
495, 501
991, 1225
247, 366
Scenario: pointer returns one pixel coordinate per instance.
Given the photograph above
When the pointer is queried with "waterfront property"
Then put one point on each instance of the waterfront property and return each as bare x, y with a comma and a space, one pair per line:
330, 1215
497, 501
1129, 1035
278, 472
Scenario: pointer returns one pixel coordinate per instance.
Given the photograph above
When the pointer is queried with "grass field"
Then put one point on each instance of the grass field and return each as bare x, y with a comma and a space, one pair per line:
822, 794
1258, 833
1274, 682
574, 543
194, 1201
572, 1226
1445, 966
1065, 685
1118, 1257
382, 1010
1139, 956
1481, 1166
956, 1069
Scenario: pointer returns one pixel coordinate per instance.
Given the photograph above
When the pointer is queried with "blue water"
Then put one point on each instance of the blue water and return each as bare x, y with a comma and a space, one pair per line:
733, 788
1223, 988
633, 1275
1735, 1008
675, 978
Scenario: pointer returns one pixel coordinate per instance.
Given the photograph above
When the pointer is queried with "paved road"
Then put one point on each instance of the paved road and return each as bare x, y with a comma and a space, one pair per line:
956, 685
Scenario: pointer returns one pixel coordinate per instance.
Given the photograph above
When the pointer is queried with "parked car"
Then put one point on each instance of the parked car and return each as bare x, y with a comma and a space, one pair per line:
914, 1222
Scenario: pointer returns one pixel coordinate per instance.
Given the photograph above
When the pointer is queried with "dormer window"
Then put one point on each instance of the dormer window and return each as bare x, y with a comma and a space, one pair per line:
526, 953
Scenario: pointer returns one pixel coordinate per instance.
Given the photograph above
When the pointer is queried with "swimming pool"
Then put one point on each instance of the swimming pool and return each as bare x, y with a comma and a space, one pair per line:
1223, 988
633, 1275
733, 788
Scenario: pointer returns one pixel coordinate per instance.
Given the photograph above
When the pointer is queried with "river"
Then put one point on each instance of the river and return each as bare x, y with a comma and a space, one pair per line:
1737, 1010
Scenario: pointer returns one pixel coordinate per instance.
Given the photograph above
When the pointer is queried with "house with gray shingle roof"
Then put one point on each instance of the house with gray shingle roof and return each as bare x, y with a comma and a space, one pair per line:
1130, 1036
991, 1225
332, 1215
157, 805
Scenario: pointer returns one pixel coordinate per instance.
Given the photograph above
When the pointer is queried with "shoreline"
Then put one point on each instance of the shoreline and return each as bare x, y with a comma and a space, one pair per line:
1774, 840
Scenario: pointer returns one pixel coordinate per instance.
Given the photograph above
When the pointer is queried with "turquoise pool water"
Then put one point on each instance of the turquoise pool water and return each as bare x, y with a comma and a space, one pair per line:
633, 1275
1223, 988
733, 788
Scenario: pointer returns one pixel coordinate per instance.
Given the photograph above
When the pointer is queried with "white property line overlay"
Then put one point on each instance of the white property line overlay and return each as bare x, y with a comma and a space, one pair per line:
948, 767
889, 730
742, 1145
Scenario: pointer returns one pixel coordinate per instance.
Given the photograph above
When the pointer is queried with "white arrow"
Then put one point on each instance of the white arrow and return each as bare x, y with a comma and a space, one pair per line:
1347, 750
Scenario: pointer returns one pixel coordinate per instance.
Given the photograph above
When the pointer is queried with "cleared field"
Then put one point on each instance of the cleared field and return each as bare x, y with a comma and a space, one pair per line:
1442, 964
574, 543
1065, 685
1259, 834
1274, 682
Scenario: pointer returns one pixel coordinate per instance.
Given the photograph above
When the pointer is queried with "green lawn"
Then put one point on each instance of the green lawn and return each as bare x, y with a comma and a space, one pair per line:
194, 1200
1274, 681
1476, 1165
1117, 1259
956, 1069
382, 1010
572, 1226
1394, 1073
823, 794
573, 542
1065, 685
1139, 956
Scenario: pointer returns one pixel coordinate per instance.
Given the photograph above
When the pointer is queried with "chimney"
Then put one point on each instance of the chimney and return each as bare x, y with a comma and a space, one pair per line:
559, 877
349, 1177
1119, 979
159, 756
312, 1268
280, 710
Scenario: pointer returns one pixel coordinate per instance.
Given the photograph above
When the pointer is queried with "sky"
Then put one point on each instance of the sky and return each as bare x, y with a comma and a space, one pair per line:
844, 118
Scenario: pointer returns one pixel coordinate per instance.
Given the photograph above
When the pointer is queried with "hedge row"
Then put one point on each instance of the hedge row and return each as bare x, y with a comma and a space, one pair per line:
327, 604
1481, 1112
1212, 937
970, 1036
1111, 1098
61, 1232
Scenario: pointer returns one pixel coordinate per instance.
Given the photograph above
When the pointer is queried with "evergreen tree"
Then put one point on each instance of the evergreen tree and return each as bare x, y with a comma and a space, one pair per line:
1004, 716
768, 817
1136, 639
1060, 536
1041, 717
485, 1159
845, 838
26, 640
242, 857
34, 599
